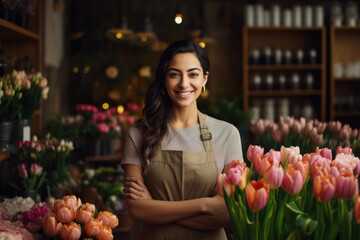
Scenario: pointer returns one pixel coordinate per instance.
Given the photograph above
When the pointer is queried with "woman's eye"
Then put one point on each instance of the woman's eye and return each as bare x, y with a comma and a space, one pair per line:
173, 75
194, 74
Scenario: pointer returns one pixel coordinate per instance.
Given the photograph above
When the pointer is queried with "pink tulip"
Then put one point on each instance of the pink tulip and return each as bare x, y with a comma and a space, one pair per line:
105, 233
262, 163
303, 167
286, 153
43, 82
51, 226
324, 187
233, 175
293, 180
257, 194
274, 176
108, 219
85, 213
345, 159
354, 133
93, 227
258, 128
72, 201
319, 170
357, 210
65, 214
357, 168
284, 128
324, 152
221, 182
296, 127
70, 231
276, 135
318, 159
346, 150
308, 128
275, 155
130, 119
35, 169
253, 151
22, 171
346, 186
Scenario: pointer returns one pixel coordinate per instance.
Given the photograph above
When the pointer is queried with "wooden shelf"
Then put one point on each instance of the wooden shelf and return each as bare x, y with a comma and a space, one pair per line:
4, 155
283, 28
347, 113
282, 93
115, 158
346, 79
345, 28
11, 31
286, 67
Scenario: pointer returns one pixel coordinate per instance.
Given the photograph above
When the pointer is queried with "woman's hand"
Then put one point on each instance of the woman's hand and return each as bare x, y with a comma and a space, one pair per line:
135, 189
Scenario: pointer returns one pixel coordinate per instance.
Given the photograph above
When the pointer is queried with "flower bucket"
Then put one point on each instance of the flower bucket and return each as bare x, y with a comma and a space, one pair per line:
20, 131
29, 193
5, 134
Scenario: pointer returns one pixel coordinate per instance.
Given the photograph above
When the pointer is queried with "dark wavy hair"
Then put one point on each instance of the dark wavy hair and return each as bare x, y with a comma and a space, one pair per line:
158, 106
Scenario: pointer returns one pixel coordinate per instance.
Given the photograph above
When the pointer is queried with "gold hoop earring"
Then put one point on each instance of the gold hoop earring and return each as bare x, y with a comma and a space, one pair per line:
163, 90
203, 89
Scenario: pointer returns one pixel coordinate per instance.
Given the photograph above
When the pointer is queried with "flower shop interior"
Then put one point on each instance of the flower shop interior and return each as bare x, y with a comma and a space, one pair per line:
73, 77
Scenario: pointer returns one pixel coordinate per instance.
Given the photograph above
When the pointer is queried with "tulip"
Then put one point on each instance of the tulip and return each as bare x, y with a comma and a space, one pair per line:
108, 219
296, 127
70, 231
320, 170
324, 152
318, 159
222, 183
72, 201
345, 159
303, 167
51, 226
346, 150
35, 169
346, 186
293, 180
276, 135
105, 233
357, 210
253, 151
85, 213
275, 155
234, 175
93, 227
262, 163
286, 153
274, 176
284, 129
357, 168
324, 187
22, 171
258, 128
257, 194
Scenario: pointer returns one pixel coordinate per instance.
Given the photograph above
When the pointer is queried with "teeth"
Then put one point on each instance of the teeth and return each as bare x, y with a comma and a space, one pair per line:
184, 93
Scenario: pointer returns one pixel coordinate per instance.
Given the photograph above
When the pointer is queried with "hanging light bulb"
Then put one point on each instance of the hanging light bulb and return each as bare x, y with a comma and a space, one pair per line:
178, 17
147, 37
121, 32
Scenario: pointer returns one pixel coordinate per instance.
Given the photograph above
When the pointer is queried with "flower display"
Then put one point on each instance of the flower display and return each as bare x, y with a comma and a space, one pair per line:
293, 196
10, 99
72, 220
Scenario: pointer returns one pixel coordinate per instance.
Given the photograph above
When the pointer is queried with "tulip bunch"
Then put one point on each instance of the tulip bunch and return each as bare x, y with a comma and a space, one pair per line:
10, 98
305, 134
72, 220
287, 195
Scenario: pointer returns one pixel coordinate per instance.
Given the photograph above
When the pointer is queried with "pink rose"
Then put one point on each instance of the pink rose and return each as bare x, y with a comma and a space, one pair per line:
103, 128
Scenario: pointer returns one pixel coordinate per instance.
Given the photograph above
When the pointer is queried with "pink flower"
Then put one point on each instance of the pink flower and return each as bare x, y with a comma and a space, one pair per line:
257, 194
35, 169
324, 152
346, 150
93, 227
103, 128
112, 125
253, 151
276, 135
45, 92
43, 82
70, 231
22, 171
346, 159
286, 153
105, 233
347, 186
221, 182
274, 176
130, 119
108, 219
85, 213
318, 159
296, 127
132, 107
319, 170
51, 226
293, 180
275, 155
258, 128
324, 187
65, 213
233, 175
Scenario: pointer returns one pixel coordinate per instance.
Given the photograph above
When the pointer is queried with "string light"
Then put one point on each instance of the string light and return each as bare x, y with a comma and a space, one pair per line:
86, 69
202, 44
75, 69
178, 18
120, 109
119, 35
105, 106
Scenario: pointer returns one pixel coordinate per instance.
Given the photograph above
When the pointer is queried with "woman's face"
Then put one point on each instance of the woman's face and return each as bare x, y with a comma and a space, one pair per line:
184, 80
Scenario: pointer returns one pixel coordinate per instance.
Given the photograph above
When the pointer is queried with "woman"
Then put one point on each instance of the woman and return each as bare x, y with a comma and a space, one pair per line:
174, 153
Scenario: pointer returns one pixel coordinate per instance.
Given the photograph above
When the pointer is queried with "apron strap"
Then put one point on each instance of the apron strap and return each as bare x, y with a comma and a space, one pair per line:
205, 135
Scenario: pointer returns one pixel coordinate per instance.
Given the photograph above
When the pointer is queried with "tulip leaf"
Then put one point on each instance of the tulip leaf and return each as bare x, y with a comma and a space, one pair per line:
294, 208
305, 224
294, 236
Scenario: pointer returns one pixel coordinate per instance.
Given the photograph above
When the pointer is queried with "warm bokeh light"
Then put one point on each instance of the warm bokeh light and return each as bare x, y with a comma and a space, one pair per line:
86, 69
75, 69
97, 84
119, 35
120, 109
178, 18
105, 106
143, 38
202, 44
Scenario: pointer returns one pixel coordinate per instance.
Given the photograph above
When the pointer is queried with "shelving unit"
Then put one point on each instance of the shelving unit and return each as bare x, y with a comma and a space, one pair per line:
344, 87
286, 38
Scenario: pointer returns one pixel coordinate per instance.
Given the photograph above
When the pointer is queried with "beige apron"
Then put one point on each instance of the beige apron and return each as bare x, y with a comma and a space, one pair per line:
182, 175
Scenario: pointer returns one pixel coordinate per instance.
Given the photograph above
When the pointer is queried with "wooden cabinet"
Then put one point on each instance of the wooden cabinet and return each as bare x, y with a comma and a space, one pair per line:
345, 75
24, 43
295, 55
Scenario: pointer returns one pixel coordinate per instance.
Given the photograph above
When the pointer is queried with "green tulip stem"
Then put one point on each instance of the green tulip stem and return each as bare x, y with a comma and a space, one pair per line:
257, 226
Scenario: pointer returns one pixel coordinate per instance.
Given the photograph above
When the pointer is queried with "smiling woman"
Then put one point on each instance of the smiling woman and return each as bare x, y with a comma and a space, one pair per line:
174, 153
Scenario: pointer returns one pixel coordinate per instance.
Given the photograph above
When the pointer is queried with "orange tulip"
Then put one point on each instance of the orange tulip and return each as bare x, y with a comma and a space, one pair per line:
85, 213
105, 234
324, 187
319, 169
70, 231
291, 153
51, 226
108, 219
274, 176
303, 167
346, 186
357, 209
72, 201
257, 194
293, 180
92, 227
65, 214
221, 182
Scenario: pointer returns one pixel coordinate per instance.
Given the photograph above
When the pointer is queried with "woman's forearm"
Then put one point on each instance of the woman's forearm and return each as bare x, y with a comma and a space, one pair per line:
161, 212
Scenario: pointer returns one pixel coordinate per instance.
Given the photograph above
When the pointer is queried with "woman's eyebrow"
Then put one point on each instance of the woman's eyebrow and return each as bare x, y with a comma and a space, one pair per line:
189, 70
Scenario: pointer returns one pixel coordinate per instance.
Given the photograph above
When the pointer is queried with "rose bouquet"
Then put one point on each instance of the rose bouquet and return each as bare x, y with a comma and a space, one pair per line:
286, 195
72, 220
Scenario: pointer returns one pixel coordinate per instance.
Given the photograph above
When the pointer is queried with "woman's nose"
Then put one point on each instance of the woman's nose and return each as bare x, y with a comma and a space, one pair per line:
184, 82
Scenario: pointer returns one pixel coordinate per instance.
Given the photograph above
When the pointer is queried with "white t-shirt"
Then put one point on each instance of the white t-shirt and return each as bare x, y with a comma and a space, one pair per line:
225, 140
